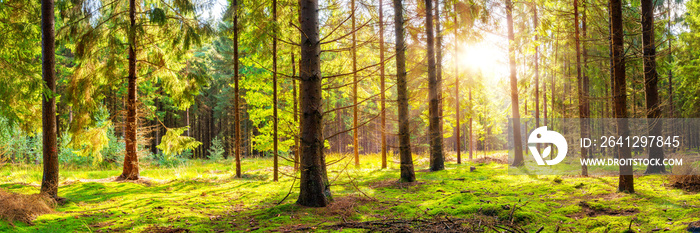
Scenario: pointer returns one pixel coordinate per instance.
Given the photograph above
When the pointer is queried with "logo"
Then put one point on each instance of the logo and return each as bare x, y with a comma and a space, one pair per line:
541, 135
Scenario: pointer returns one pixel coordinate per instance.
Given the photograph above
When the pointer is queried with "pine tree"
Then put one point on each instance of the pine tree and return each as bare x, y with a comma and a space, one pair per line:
314, 186
406, 159
49, 181
515, 107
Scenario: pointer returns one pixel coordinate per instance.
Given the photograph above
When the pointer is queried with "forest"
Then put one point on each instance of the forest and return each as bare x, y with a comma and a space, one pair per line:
349, 116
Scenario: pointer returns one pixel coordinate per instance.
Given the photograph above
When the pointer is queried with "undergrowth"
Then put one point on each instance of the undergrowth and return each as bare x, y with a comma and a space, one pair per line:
203, 196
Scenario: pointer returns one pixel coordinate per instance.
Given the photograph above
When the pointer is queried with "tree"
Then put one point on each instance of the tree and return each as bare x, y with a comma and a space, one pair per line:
236, 92
537, 66
626, 181
457, 108
314, 186
517, 146
582, 91
406, 159
438, 71
49, 181
296, 113
274, 90
651, 80
131, 159
355, 145
382, 84
437, 159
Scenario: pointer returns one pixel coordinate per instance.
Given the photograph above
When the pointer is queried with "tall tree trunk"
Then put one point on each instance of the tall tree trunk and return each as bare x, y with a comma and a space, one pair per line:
381, 76
651, 80
537, 68
585, 82
407, 173
437, 159
438, 67
626, 181
582, 93
355, 145
49, 181
471, 129
236, 92
670, 72
517, 146
314, 186
457, 107
274, 91
131, 160
296, 113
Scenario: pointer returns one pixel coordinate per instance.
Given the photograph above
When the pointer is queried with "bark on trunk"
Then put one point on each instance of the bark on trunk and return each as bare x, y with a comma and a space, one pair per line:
582, 92
537, 68
274, 93
626, 181
437, 159
236, 92
131, 160
296, 114
355, 145
651, 80
517, 146
314, 186
381, 75
407, 173
457, 107
49, 181
438, 66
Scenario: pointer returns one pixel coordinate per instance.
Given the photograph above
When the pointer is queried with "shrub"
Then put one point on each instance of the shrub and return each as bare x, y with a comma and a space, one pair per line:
216, 152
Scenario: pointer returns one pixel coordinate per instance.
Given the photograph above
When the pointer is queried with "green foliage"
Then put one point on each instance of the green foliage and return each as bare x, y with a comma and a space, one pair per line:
174, 143
176, 160
68, 157
18, 146
216, 152
90, 142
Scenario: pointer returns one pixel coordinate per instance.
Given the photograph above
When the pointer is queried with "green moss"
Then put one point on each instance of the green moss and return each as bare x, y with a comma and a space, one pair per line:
205, 197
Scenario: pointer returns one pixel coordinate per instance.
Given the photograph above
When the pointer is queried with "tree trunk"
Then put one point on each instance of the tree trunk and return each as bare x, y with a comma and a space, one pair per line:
582, 92
517, 146
355, 145
471, 129
626, 181
651, 80
296, 114
537, 69
381, 76
274, 92
49, 181
236, 92
314, 186
407, 173
131, 160
670, 73
437, 159
438, 68
457, 107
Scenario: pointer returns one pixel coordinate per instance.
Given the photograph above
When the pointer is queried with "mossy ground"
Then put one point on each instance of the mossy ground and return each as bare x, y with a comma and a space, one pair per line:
205, 197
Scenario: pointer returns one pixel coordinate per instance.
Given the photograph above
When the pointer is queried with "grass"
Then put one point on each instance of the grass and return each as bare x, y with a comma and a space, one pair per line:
205, 197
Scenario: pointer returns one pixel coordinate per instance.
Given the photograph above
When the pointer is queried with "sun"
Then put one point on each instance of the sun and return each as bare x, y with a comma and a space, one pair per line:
483, 57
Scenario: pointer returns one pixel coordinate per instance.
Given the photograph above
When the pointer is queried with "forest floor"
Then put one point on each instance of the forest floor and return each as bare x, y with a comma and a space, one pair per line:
205, 197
